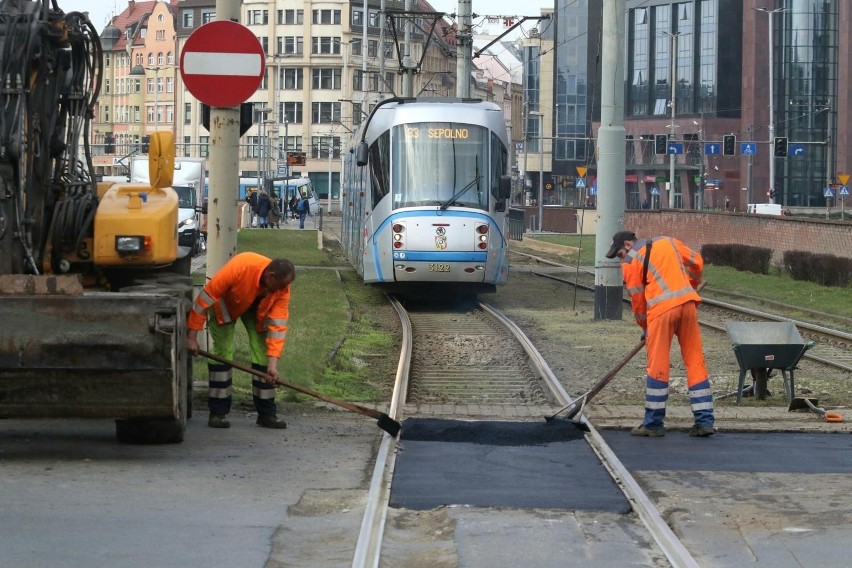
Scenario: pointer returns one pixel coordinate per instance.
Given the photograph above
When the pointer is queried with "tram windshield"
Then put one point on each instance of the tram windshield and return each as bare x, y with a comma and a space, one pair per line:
440, 163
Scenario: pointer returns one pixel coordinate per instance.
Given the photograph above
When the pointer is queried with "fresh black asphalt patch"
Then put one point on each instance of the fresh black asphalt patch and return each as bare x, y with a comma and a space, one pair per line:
734, 452
524, 465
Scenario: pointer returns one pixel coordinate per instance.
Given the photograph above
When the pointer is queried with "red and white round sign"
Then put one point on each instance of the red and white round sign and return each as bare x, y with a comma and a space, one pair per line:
222, 63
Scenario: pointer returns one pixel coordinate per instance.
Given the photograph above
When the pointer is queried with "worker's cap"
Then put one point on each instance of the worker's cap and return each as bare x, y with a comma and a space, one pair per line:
618, 242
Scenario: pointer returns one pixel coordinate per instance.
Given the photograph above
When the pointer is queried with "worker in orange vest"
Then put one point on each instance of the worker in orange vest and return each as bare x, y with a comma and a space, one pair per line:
661, 275
254, 289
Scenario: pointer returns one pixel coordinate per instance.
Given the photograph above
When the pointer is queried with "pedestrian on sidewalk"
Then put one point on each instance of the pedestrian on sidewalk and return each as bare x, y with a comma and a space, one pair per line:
662, 276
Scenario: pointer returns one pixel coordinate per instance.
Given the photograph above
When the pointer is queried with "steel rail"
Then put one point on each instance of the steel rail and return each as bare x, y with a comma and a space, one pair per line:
369, 545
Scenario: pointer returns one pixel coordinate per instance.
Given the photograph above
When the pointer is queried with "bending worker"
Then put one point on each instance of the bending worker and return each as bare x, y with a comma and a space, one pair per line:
661, 275
256, 290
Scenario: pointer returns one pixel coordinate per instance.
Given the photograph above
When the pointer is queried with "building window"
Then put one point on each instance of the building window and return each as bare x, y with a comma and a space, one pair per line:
292, 17
106, 86
187, 113
187, 18
372, 48
293, 79
137, 114
357, 18
356, 47
170, 58
207, 15
293, 45
293, 112
204, 150
257, 17
326, 17
325, 113
325, 45
170, 84
160, 59
150, 59
357, 113
326, 78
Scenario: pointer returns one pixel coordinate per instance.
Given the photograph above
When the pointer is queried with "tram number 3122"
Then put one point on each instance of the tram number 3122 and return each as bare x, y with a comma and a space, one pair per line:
438, 267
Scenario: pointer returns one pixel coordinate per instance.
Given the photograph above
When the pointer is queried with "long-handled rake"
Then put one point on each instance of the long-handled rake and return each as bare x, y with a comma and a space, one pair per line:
385, 422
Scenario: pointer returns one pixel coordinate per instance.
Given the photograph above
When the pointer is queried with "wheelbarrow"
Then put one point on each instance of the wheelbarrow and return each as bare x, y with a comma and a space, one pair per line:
763, 346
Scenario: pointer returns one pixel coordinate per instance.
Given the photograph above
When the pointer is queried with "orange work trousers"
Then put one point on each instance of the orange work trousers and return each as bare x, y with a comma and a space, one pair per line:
681, 321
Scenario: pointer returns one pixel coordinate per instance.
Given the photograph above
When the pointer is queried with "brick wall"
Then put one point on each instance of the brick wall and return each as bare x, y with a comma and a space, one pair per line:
696, 228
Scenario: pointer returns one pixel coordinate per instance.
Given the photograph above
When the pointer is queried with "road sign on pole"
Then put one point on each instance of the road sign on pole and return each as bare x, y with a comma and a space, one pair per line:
222, 63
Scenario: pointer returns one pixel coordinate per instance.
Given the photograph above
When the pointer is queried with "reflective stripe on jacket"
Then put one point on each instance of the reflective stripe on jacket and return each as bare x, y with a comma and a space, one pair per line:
233, 290
674, 271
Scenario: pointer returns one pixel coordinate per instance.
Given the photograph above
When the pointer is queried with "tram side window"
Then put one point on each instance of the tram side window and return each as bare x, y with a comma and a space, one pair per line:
499, 159
380, 167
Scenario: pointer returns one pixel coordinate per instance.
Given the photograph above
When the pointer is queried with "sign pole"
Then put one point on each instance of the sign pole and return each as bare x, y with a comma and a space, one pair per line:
222, 64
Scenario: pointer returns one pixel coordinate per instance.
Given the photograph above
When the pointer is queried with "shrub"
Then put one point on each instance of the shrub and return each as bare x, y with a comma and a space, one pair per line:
824, 269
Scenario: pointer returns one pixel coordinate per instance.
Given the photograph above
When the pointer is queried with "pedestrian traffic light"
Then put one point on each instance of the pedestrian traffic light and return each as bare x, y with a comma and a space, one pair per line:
661, 144
729, 145
780, 147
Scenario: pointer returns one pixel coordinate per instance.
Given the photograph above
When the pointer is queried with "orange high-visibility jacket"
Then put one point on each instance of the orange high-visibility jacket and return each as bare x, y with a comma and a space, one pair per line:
233, 290
674, 272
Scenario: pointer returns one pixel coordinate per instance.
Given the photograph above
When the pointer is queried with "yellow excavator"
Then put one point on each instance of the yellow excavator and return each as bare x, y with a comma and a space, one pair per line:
93, 290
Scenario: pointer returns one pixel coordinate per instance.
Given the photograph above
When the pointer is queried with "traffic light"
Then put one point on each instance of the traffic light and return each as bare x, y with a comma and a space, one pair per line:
729, 145
296, 158
661, 144
780, 150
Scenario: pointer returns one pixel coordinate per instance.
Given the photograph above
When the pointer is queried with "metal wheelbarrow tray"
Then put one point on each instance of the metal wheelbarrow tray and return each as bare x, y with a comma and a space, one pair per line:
767, 345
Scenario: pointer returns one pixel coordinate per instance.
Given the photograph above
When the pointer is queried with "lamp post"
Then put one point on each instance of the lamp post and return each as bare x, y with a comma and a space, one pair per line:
156, 71
769, 14
261, 120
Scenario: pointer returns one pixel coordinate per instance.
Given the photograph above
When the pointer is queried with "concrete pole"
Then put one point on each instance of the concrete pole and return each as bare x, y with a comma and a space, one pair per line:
407, 65
674, 91
611, 163
540, 171
224, 170
771, 108
464, 49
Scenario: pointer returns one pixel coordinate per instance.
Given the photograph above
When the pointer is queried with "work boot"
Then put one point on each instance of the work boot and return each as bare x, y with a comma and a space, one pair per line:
701, 431
270, 421
218, 421
641, 430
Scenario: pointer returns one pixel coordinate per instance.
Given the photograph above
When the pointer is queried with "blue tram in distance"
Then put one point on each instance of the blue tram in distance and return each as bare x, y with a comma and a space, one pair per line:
425, 190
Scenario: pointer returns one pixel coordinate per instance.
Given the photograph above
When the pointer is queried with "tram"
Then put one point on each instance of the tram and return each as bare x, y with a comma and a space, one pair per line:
425, 194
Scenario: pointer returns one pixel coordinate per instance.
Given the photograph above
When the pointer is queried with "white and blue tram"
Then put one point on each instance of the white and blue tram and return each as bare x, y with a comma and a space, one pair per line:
425, 194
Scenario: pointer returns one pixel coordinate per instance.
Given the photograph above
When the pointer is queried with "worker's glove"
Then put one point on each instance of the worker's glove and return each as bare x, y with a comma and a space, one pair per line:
642, 337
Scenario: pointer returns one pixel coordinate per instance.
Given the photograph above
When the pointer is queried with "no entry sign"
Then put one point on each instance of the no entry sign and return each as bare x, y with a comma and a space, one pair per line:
222, 63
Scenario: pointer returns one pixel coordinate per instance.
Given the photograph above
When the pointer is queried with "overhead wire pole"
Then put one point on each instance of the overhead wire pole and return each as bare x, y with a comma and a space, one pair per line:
464, 49
770, 14
408, 68
611, 163
672, 125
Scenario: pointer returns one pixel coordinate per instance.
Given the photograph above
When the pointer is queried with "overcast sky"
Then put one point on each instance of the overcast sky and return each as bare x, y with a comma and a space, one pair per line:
101, 10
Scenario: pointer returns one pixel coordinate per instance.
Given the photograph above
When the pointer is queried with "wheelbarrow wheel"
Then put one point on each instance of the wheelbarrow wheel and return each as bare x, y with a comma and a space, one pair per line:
760, 381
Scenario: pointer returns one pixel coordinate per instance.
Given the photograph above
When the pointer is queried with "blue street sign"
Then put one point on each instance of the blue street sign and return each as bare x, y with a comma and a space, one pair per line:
711, 148
655, 191
844, 190
828, 192
580, 183
796, 149
593, 190
675, 148
748, 149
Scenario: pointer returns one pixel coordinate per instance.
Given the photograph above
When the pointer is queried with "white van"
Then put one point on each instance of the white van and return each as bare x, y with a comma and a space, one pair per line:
765, 208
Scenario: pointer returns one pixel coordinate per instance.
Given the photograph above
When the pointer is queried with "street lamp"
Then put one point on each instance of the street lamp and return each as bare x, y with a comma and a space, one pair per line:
769, 14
